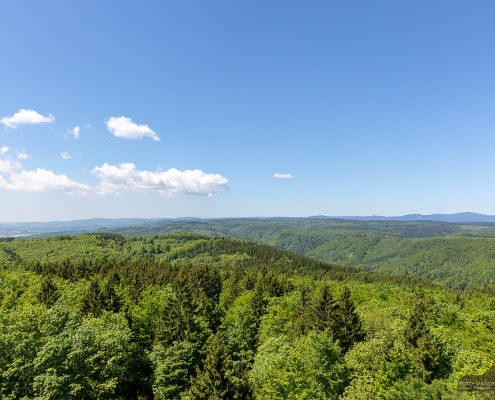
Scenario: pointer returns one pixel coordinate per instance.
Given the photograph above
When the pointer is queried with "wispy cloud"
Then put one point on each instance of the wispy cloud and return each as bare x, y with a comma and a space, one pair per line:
6, 162
24, 117
125, 177
123, 127
22, 155
76, 132
9, 166
282, 176
65, 155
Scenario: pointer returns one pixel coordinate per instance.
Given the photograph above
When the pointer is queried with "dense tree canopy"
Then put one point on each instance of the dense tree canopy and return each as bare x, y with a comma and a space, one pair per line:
190, 317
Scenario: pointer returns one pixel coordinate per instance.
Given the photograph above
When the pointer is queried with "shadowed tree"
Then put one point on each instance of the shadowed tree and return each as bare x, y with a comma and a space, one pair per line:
212, 382
48, 294
324, 308
348, 328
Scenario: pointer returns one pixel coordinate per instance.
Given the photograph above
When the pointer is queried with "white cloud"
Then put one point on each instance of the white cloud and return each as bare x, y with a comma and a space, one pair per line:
65, 155
22, 155
123, 127
26, 117
282, 176
125, 177
8, 166
41, 180
6, 163
76, 132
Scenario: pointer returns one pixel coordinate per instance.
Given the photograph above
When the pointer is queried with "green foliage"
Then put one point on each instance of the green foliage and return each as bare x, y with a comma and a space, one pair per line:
212, 382
48, 294
311, 367
324, 309
87, 359
347, 327
98, 300
416, 323
197, 317
172, 368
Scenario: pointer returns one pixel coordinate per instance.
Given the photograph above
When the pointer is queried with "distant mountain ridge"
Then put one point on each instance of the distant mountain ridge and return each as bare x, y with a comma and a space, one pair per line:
94, 224
454, 218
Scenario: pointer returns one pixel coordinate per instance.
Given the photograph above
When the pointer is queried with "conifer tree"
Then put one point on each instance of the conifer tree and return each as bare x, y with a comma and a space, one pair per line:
324, 308
273, 286
97, 300
112, 301
212, 382
81, 269
48, 294
432, 362
302, 317
93, 302
180, 317
258, 309
430, 358
416, 323
348, 328
458, 301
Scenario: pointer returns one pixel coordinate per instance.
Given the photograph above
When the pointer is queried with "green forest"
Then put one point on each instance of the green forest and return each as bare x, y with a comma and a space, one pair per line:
187, 316
458, 255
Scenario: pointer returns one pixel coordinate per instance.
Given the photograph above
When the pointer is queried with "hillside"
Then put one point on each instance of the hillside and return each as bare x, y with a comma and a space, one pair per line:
176, 249
457, 255
185, 316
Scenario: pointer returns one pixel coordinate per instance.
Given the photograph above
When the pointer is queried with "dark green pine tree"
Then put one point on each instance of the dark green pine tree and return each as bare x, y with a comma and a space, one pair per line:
301, 322
212, 382
93, 302
180, 319
416, 324
273, 287
97, 300
347, 328
206, 285
324, 308
81, 269
458, 301
111, 300
234, 289
257, 310
48, 294
433, 363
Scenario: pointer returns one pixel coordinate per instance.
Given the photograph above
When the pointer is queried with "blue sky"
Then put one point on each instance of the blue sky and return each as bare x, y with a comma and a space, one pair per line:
372, 107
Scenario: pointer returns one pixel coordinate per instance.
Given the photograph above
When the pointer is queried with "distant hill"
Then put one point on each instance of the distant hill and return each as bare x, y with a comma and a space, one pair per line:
33, 228
458, 217
93, 224
458, 255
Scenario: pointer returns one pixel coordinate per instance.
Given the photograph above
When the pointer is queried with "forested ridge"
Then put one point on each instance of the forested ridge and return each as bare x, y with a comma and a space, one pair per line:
457, 255
185, 316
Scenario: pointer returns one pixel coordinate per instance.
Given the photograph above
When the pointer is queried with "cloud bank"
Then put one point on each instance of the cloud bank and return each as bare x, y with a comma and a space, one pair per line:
282, 176
25, 117
123, 127
41, 180
125, 177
